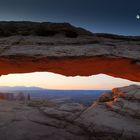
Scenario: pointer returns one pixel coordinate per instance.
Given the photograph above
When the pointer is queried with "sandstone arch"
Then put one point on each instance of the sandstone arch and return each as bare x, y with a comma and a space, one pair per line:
85, 54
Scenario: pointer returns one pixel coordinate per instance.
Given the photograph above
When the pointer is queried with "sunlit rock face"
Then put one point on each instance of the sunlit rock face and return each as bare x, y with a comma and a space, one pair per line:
123, 100
126, 101
115, 118
119, 117
64, 53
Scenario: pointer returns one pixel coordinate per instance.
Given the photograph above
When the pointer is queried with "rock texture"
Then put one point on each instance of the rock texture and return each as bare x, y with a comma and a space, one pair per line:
118, 118
126, 101
63, 51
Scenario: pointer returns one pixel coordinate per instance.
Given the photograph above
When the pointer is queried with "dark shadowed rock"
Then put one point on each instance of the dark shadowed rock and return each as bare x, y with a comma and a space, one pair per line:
40, 29
107, 96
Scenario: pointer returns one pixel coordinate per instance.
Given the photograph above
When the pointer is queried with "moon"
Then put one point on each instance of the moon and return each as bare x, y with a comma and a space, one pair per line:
138, 16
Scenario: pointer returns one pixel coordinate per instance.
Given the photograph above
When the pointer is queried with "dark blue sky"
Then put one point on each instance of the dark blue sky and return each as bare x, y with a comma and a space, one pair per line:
110, 16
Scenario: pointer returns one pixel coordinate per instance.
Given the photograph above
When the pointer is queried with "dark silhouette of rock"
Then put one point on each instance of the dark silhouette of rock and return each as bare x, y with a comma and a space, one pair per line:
107, 96
40, 29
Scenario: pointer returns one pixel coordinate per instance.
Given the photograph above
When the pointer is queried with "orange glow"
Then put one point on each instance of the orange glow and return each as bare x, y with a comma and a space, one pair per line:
56, 81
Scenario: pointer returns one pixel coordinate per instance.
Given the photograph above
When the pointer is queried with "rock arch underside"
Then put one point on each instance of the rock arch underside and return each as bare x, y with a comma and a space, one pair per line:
84, 56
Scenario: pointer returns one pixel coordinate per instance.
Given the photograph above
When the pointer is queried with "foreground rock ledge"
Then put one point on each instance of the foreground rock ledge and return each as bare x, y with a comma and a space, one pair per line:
113, 119
114, 116
84, 55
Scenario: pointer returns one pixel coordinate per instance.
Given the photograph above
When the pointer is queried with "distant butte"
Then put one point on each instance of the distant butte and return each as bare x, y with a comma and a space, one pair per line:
64, 49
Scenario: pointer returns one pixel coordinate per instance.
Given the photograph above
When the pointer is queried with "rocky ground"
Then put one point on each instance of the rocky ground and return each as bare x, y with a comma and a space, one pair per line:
113, 116
59, 46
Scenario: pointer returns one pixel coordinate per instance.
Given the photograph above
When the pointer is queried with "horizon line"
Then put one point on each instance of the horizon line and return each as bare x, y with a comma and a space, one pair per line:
49, 88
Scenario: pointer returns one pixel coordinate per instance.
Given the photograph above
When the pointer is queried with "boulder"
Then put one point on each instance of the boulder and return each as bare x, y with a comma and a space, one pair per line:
129, 92
114, 119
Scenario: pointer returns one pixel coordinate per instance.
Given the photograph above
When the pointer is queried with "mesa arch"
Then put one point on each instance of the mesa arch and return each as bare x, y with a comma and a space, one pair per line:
82, 56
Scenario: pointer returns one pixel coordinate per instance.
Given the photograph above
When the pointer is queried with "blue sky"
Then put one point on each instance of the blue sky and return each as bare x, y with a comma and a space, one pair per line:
110, 16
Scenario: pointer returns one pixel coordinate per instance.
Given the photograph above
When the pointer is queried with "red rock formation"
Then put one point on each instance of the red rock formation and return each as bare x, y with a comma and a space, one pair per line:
86, 54
83, 66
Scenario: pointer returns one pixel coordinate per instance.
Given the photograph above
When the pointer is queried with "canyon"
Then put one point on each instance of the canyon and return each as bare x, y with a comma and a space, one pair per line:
114, 115
70, 51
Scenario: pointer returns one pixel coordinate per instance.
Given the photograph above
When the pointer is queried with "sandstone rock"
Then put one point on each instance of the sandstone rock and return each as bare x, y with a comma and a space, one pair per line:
116, 119
126, 100
105, 97
111, 120
103, 123
128, 92
20, 122
112, 116
67, 111
99, 53
71, 107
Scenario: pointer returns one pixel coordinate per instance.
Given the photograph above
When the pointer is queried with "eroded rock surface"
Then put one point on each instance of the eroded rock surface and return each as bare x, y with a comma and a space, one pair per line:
126, 101
115, 118
21, 122
118, 118
85, 54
